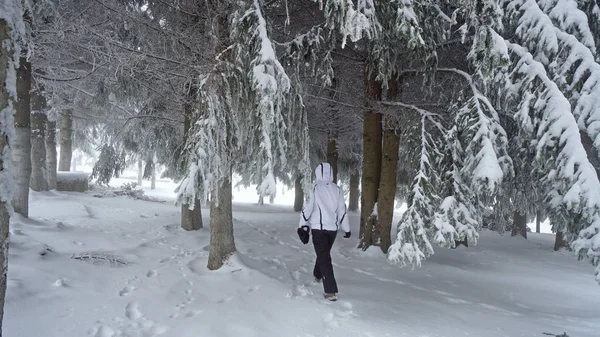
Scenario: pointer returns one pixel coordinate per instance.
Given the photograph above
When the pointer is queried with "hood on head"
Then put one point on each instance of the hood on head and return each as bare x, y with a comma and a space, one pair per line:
324, 172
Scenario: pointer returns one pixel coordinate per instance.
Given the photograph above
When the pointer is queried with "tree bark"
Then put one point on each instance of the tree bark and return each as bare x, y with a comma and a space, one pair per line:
5, 56
371, 168
21, 146
538, 222
389, 170
590, 150
299, 195
153, 177
222, 244
140, 177
559, 241
519, 225
354, 191
332, 155
191, 219
39, 175
51, 162
387, 187
66, 140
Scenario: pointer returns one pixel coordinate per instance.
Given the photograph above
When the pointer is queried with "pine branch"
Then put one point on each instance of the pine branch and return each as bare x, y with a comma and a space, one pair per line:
37, 74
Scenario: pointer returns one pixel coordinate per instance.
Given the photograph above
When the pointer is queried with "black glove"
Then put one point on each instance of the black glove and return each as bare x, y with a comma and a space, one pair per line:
304, 234
347, 235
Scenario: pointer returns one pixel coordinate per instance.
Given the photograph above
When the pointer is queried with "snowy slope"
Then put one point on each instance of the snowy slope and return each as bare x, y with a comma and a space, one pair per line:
153, 281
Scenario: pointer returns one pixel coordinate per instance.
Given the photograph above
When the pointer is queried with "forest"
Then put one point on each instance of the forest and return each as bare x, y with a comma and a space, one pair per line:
475, 116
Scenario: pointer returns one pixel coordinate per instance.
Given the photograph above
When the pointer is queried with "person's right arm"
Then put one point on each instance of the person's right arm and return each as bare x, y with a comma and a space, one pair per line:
342, 213
307, 210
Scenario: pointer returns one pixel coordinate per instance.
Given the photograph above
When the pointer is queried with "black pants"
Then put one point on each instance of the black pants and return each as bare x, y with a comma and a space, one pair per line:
323, 241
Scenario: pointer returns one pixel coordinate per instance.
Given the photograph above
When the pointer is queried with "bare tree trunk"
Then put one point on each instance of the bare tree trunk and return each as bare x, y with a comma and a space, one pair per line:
66, 140
332, 155
371, 168
354, 191
51, 162
591, 152
191, 220
389, 170
387, 188
538, 222
5, 144
153, 178
140, 177
21, 146
519, 225
299, 197
39, 175
559, 241
222, 244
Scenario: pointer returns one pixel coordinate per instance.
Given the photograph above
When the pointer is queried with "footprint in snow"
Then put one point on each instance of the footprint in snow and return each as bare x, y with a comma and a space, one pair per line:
132, 311
193, 313
332, 319
125, 291
151, 273
225, 300
135, 324
253, 289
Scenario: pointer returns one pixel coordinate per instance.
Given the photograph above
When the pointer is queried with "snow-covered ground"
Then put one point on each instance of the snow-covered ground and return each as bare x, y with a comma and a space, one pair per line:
149, 279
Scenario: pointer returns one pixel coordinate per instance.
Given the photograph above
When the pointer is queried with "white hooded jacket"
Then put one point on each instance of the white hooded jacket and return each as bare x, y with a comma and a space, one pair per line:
326, 208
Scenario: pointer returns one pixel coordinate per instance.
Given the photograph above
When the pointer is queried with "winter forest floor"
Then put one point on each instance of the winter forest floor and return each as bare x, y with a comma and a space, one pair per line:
149, 278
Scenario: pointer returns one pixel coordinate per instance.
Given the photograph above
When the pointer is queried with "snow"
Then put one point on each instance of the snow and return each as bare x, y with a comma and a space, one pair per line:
503, 287
71, 176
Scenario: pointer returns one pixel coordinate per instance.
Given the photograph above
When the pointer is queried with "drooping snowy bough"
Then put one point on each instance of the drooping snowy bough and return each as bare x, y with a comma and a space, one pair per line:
242, 119
535, 71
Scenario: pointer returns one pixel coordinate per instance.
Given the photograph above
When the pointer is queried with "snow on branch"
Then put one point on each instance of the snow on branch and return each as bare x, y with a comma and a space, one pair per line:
574, 185
568, 17
413, 241
487, 144
269, 88
566, 53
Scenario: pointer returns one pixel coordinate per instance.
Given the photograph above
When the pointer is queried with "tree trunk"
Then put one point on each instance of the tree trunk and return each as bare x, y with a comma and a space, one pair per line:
519, 225
39, 175
51, 164
538, 222
371, 168
387, 181
387, 187
140, 177
590, 150
222, 244
21, 146
354, 191
66, 140
153, 177
5, 144
559, 241
332, 156
299, 198
191, 220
